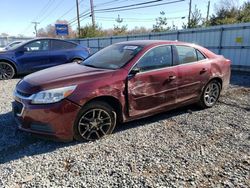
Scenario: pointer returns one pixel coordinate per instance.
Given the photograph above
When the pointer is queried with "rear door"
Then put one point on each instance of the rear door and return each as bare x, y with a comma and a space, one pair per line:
61, 52
155, 86
36, 55
193, 71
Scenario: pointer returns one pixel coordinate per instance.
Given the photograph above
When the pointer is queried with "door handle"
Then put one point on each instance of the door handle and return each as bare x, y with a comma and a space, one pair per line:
172, 78
203, 70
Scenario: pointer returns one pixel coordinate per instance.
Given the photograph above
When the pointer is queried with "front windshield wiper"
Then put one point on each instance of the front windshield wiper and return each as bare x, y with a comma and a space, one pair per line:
89, 65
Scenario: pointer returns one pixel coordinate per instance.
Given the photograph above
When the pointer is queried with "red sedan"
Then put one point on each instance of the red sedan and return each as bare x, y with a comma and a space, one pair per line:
120, 83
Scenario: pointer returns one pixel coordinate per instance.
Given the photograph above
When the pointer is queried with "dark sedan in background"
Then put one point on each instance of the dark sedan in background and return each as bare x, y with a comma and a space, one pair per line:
37, 54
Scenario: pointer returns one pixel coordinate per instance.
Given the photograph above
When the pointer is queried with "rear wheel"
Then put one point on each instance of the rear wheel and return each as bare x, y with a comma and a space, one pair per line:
7, 71
210, 94
78, 60
94, 121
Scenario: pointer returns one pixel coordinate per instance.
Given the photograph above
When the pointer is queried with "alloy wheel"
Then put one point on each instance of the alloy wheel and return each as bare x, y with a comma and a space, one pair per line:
94, 124
211, 94
6, 71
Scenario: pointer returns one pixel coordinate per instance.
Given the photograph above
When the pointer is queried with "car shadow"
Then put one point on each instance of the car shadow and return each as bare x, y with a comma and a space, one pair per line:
16, 144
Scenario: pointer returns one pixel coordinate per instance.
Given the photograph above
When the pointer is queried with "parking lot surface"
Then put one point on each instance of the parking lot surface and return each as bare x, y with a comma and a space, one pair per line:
186, 147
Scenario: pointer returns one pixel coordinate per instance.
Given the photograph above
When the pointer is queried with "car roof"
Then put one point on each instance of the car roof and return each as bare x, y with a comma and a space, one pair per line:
153, 42
49, 38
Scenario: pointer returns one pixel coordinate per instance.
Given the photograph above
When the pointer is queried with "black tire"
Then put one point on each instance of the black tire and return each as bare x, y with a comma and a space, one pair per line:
7, 71
94, 121
210, 94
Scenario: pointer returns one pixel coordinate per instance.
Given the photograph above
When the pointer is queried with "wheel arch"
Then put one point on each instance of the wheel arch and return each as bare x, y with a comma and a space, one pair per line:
11, 63
113, 102
76, 57
216, 79
210, 80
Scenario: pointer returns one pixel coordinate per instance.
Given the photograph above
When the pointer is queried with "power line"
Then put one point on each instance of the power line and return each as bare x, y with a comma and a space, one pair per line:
100, 10
101, 4
132, 5
86, 16
137, 19
125, 8
140, 7
43, 10
86, 13
57, 5
68, 11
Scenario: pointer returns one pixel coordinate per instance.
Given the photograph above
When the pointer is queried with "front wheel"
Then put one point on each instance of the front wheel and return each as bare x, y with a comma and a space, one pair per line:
210, 94
94, 121
7, 71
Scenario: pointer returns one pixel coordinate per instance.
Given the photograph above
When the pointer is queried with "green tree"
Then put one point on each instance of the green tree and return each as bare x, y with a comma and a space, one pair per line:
88, 31
226, 12
161, 23
224, 16
196, 19
120, 30
244, 15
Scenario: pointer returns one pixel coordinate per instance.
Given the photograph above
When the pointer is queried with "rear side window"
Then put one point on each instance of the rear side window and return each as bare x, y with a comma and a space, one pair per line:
200, 56
156, 58
62, 45
188, 54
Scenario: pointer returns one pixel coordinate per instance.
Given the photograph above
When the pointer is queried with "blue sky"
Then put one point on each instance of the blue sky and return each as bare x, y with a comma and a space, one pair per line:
17, 15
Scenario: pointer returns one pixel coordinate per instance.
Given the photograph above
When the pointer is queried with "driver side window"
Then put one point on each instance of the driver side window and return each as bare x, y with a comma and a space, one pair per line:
156, 58
39, 45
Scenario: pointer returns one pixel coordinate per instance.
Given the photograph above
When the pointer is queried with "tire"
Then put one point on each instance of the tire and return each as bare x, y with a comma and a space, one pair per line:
94, 121
7, 71
77, 60
210, 94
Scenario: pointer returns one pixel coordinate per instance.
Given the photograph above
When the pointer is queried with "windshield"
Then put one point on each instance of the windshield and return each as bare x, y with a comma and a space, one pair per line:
16, 45
113, 57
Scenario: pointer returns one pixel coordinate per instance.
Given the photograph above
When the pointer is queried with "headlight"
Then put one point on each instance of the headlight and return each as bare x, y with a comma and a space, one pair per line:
52, 95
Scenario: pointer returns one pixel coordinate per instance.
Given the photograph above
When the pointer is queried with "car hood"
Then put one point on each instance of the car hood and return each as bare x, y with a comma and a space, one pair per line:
61, 76
5, 52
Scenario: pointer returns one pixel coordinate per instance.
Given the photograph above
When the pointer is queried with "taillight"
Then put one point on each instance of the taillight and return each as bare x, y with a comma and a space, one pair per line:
228, 61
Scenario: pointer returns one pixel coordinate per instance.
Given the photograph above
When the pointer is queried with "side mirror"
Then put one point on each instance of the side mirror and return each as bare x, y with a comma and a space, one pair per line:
22, 50
134, 71
25, 49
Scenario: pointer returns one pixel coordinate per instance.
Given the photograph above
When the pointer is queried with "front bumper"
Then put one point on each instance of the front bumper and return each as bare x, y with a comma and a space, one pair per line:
54, 121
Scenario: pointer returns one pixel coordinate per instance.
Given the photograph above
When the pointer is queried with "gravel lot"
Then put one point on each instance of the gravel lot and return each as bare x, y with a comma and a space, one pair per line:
187, 147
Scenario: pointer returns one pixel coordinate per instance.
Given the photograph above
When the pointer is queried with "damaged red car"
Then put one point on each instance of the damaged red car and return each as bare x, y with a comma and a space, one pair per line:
120, 83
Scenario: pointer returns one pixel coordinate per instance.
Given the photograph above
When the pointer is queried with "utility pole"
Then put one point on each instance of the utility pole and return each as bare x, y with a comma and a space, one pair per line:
208, 8
78, 18
92, 12
189, 13
35, 26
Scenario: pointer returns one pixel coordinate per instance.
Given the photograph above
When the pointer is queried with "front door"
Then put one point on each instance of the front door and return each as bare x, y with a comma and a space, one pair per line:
36, 55
155, 85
